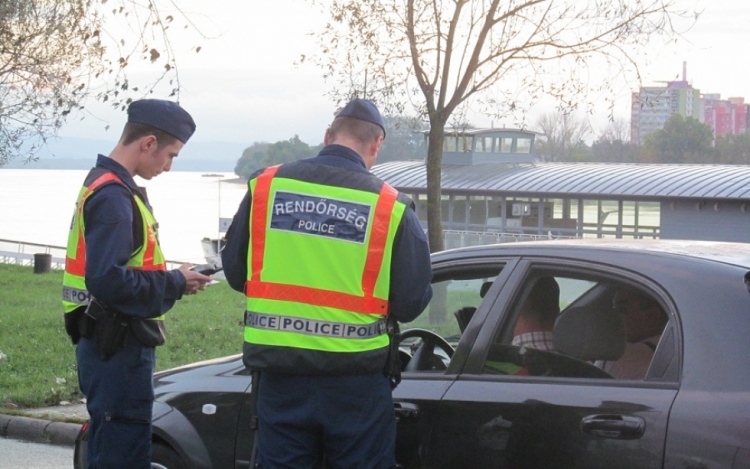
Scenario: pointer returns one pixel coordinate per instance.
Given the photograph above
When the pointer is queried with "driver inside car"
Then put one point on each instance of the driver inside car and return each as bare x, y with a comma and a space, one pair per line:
533, 330
537, 317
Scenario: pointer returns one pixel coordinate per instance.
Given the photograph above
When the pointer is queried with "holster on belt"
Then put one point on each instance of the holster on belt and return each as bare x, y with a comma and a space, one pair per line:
393, 363
73, 324
110, 328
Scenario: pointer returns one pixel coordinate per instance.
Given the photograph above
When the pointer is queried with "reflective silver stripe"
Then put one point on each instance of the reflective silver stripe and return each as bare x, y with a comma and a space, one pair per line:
74, 295
313, 327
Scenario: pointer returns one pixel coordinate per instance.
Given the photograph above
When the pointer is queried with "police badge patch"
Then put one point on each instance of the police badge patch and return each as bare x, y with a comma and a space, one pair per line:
320, 216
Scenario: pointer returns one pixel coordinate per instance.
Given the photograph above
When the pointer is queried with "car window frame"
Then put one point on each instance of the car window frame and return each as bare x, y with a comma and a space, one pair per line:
441, 269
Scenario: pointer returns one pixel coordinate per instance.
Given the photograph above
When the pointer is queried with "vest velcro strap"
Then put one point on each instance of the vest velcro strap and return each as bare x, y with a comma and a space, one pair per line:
314, 296
314, 327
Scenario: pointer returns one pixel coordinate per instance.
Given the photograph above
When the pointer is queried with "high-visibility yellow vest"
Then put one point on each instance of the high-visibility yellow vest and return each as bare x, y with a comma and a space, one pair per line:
148, 256
319, 261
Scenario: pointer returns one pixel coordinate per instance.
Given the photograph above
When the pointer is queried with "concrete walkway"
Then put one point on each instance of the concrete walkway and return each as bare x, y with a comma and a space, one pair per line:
57, 425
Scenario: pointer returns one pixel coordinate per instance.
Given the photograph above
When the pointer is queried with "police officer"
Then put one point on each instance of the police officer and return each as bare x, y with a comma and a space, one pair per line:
325, 252
116, 287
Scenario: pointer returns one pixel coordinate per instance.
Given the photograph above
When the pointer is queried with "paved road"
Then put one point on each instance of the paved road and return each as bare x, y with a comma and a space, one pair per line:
24, 455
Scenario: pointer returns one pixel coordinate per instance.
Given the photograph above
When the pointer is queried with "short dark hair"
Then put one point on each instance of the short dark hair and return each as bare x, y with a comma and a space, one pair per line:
133, 131
363, 131
543, 302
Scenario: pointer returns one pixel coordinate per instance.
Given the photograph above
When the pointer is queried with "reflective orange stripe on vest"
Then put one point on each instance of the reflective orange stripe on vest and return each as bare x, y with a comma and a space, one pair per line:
366, 304
77, 266
148, 256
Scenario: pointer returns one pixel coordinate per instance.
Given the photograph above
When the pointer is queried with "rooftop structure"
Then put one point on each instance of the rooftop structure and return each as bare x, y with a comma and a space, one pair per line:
480, 146
488, 203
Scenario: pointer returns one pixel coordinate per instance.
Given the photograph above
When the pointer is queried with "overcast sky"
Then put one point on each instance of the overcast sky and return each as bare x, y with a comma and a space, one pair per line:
244, 87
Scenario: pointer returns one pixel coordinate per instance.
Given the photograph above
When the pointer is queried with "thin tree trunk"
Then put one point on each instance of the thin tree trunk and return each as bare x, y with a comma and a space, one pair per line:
434, 165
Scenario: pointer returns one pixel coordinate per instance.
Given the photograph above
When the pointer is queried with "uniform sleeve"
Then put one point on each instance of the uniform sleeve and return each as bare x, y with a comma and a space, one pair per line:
234, 253
109, 245
411, 270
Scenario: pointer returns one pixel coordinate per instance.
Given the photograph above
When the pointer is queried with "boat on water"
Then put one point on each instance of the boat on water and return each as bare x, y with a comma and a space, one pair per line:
212, 250
212, 246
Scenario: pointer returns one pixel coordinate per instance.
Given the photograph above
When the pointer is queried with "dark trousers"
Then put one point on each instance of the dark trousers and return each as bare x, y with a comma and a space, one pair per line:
119, 395
348, 420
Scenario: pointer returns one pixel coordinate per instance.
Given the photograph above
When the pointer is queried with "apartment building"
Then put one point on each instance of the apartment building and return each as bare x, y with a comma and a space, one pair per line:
725, 117
653, 106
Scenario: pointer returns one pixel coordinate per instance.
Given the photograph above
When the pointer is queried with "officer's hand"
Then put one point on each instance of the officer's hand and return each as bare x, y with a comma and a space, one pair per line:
193, 280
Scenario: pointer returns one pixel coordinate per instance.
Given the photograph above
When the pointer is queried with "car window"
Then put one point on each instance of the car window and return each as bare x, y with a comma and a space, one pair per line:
578, 325
456, 296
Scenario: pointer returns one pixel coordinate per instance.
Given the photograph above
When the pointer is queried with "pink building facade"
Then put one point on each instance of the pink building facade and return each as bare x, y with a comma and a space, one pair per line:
725, 116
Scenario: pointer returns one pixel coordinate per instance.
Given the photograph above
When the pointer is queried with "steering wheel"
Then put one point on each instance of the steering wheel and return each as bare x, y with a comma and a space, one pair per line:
424, 357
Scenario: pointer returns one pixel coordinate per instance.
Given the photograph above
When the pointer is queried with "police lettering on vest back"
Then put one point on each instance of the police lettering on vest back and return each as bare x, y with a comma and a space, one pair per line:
302, 213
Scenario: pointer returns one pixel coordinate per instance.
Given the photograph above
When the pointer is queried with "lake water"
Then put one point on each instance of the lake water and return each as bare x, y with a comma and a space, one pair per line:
36, 206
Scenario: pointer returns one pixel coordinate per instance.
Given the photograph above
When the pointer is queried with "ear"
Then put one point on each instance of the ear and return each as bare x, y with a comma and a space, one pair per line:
375, 146
327, 137
148, 143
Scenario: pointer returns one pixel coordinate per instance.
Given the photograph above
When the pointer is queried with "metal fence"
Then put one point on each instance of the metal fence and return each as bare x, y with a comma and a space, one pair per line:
23, 253
457, 239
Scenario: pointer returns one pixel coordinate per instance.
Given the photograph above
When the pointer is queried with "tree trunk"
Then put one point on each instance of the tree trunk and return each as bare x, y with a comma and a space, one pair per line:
434, 166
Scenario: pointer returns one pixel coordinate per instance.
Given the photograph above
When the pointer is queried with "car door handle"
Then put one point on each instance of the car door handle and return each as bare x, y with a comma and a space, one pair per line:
405, 409
625, 427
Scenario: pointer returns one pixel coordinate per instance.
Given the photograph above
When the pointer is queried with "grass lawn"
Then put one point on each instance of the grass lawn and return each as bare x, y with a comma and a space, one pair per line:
37, 359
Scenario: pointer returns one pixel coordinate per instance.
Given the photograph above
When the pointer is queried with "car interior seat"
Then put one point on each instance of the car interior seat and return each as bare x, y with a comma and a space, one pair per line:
485, 288
464, 315
590, 334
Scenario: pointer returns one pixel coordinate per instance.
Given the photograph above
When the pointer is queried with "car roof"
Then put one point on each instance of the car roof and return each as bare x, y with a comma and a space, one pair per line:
724, 252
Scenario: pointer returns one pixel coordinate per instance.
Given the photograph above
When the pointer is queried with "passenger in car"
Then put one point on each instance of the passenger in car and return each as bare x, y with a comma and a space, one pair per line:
644, 322
537, 318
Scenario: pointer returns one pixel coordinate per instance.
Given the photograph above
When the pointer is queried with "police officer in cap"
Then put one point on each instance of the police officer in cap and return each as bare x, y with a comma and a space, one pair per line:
326, 252
116, 287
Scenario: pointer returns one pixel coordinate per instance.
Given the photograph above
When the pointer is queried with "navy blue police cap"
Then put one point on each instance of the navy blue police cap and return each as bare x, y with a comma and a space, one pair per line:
363, 110
166, 116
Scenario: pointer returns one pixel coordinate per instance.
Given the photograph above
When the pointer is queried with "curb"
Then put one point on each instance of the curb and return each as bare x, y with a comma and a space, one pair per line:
38, 430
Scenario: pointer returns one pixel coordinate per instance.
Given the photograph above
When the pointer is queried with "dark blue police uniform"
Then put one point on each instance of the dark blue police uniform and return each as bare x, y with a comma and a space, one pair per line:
351, 417
119, 391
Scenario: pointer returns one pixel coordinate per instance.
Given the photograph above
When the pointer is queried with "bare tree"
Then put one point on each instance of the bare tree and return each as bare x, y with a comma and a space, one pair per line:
613, 143
438, 54
55, 54
564, 136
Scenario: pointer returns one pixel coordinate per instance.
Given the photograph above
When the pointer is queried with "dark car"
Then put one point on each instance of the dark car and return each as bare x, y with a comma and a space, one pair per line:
469, 398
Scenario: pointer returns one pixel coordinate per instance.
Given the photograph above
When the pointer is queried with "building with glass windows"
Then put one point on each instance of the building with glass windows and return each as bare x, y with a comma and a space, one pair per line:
494, 191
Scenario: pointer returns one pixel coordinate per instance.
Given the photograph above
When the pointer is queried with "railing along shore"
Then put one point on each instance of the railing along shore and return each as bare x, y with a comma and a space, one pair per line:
23, 253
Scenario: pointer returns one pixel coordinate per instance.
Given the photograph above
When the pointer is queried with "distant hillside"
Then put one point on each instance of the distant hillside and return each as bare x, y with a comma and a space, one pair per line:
80, 153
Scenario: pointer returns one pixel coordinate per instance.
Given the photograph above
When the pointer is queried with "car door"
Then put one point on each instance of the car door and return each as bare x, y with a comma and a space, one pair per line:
516, 407
460, 289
